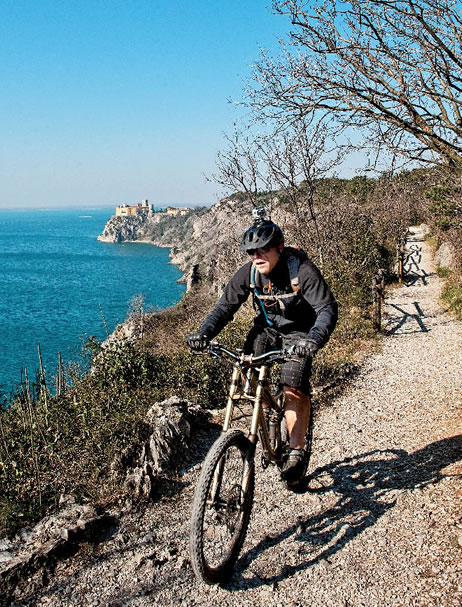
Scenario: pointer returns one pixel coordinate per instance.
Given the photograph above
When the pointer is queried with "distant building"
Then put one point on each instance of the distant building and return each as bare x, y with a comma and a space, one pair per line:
125, 210
174, 211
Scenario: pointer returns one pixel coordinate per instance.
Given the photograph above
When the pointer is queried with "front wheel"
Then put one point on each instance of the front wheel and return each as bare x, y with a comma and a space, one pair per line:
222, 506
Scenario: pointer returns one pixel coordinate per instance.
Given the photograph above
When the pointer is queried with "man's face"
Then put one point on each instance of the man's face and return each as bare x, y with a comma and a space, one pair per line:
266, 260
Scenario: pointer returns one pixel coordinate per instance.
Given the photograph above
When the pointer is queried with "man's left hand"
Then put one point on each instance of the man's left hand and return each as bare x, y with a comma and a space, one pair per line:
305, 348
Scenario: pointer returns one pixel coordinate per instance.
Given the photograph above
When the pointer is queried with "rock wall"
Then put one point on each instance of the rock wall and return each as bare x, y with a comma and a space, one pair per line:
128, 229
203, 243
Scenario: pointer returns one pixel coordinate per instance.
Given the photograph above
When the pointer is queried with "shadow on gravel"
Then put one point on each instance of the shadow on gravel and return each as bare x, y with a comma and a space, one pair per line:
367, 486
412, 266
404, 318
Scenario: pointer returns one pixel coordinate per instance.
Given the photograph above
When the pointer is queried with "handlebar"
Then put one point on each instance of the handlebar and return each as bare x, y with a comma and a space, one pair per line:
217, 350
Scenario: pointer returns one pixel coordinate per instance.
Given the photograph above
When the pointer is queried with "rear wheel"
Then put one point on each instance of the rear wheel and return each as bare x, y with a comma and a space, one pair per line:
309, 439
222, 506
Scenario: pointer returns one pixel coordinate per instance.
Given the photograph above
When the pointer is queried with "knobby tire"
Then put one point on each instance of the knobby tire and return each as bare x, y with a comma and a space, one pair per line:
309, 439
218, 529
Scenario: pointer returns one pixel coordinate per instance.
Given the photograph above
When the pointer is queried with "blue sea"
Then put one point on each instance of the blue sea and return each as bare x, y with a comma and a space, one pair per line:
56, 278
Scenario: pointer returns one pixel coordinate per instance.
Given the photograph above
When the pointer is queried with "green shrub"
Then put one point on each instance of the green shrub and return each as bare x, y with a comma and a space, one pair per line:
451, 297
443, 271
443, 205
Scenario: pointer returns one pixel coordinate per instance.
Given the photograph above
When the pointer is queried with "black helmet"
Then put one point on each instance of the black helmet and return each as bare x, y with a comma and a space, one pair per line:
262, 234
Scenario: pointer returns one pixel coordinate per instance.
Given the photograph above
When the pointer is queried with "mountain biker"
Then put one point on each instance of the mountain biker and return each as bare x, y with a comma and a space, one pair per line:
294, 308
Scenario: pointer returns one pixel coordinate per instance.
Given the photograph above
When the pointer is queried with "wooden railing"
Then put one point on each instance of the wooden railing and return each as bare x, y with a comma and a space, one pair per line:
401, 255
378, 298
378, 282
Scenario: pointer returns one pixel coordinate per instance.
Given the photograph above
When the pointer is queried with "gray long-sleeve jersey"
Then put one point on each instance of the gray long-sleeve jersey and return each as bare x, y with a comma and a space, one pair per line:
313, 310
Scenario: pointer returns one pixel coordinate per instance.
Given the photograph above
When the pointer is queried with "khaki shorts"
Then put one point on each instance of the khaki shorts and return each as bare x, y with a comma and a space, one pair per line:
295, 373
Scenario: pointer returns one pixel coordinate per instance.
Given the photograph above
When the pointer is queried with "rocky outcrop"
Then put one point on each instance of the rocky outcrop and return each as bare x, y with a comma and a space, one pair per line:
170, 422
35, 550
194, 277
444, 256
29, 556
124, 229
202, 244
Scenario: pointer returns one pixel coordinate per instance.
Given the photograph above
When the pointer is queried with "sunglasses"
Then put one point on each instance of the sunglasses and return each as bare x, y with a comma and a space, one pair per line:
260, 250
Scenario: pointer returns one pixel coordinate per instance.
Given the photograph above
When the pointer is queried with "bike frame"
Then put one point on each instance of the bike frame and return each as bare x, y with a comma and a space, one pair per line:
244, 373
262, 394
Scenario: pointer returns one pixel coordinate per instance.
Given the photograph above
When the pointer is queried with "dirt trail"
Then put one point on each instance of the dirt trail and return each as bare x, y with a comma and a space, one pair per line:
381, 523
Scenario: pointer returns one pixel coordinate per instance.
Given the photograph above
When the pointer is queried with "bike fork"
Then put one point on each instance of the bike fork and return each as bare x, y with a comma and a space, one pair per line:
215, 489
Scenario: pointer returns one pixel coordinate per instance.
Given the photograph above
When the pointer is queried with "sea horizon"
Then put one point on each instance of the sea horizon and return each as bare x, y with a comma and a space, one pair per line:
102, 207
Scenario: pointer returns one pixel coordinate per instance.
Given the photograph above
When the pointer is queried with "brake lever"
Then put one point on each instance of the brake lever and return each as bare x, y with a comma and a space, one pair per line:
289, 355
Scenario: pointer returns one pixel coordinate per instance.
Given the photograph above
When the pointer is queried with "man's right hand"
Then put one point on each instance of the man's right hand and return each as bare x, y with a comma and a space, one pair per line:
197, 341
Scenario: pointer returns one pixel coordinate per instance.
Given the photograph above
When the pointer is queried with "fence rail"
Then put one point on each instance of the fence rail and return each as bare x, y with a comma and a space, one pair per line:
378, 298
401, 255
378, 281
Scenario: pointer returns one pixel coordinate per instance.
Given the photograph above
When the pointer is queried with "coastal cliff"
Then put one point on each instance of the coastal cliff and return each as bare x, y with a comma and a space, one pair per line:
204, 244
197, 241
127, 229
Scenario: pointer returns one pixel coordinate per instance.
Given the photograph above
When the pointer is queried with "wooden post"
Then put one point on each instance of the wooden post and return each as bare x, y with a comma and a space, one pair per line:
381, 295
400, 251
378, 298
375, 303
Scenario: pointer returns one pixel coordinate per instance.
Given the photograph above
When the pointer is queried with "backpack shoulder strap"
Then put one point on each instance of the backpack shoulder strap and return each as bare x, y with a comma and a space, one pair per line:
253, 272
257, 296
295, 256
255, 278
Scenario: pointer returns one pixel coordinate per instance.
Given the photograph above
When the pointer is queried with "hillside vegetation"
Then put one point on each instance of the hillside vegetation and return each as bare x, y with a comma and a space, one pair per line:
82, 441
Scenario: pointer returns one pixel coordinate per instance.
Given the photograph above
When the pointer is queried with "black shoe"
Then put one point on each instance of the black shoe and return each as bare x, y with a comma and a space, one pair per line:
294, 467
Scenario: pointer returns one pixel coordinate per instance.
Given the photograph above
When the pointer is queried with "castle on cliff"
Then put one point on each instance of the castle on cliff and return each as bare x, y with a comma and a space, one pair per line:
143, 208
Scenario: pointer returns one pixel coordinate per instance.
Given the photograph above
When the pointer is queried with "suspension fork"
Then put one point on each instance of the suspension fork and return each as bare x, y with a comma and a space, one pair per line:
253, 436
226, 426
231, 398
257, 409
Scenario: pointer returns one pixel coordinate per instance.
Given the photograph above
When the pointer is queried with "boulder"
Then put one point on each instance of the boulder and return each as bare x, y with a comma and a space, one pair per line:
170, 423
444, 256
37, 548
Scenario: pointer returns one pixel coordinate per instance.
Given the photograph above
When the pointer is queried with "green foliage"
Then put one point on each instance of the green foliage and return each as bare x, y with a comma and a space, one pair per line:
360, 187
451, 296
68, 443
443, 205
443, 271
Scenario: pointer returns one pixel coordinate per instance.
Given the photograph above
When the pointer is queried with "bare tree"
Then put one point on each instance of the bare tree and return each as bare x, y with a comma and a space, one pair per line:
287, 162
239, 166
393, 68
296, 158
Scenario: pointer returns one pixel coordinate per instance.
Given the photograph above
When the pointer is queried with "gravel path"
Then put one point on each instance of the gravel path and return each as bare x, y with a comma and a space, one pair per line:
381, 522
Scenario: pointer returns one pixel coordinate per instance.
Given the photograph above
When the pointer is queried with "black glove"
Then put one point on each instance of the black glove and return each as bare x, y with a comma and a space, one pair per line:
198, 341
305, 348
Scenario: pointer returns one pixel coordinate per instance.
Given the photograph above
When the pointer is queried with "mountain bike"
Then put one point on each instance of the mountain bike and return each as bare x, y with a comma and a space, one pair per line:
225, 490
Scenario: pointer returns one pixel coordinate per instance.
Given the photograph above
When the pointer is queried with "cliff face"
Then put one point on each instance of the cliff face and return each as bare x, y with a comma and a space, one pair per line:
126, 229
203, 243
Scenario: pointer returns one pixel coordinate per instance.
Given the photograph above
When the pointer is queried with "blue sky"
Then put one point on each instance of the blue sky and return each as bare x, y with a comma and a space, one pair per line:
105, 102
